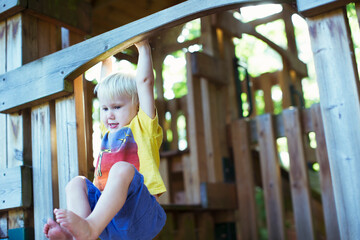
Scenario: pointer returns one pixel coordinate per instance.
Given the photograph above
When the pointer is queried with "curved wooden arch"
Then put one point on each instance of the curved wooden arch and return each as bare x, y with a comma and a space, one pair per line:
51, 76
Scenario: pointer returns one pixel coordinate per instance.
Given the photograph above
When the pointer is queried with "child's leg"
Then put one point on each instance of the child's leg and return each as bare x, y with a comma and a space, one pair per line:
76, 197
109, 204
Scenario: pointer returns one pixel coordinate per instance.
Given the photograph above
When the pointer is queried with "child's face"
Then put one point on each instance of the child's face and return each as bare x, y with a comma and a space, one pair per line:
116, 113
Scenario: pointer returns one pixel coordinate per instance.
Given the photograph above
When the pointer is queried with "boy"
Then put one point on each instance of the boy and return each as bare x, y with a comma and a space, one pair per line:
122, 203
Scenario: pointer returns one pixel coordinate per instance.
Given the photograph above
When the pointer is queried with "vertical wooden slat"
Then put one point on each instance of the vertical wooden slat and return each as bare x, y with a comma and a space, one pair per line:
270, 172
338, 82
66, 144
298, 175
210, 97
266, 87
173, 108
195, 165
42, 167
186, 224
327, 192
205, 226
3, 126
245, 186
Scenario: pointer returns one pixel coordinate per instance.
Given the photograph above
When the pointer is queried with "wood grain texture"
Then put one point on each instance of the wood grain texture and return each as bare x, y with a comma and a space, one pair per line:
338, 83
67, 151
310, 8
327, 190
15, 185
270, 172
245, 186
3, 126
42, 167
73, 61
299, 181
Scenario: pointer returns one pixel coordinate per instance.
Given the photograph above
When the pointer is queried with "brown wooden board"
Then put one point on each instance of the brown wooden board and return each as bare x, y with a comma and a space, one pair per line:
245, 185
299, 182
218, 195
327, 192
270, 172
338, 83
3, 125
45, 77
15, 185
310, 8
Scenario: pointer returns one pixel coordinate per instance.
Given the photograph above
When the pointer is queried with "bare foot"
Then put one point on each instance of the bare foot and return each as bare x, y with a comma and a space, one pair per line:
54, 231
79, 227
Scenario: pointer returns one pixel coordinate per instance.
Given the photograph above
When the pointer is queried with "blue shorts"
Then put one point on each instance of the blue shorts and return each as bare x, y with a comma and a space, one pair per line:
141, 217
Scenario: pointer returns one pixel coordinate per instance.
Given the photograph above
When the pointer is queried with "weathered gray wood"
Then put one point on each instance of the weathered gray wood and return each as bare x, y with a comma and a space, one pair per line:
3, 128
299, 181
270, 172
45, 77
338, 81
327, 190
67, 155
42, 169
310, 8
15, 185
245, 185
10, 7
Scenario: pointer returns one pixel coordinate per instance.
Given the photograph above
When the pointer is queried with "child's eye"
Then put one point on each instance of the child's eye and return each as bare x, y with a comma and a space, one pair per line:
104, 109
117, 107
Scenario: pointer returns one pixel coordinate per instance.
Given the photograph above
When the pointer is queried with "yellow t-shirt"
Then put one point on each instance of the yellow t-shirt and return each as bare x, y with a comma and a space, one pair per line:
137, 143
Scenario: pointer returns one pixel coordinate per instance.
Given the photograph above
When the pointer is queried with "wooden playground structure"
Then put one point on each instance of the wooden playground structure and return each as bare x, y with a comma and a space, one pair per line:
46, 118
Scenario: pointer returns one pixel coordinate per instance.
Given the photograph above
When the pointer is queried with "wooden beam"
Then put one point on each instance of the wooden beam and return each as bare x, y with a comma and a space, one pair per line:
15, 185
208, 67
228, 23
338, 82
51, 76
309, 8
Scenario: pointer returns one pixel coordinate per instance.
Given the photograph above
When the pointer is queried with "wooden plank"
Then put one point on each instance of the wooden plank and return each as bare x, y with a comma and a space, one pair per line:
70, 62
11, 7
186, 227
266, 87
68, 166
15, 185
340, 109
245, 186
309, 8
195, 165
208, 67
299, 181
218, 195
41, 155
327, 192
3, 125
270, 172
205, 226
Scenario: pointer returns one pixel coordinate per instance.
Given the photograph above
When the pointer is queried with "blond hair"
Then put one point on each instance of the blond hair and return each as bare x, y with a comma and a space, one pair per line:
118, 84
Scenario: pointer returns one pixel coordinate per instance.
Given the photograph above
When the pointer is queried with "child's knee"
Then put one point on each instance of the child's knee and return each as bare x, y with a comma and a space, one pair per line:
123, 170
76, 184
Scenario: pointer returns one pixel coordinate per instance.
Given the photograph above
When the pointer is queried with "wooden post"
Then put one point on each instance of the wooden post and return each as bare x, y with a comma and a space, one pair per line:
270, 172
327, 192
245, 185
3, 125
298, 175
338, 82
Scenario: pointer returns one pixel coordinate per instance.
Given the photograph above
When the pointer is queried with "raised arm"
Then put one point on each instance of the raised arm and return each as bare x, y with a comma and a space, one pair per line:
145, 79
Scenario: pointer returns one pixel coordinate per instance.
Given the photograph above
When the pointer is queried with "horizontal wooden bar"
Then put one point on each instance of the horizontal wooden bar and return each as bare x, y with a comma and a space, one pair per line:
218, 196
11, 7
309, 8
15, 187
71, 62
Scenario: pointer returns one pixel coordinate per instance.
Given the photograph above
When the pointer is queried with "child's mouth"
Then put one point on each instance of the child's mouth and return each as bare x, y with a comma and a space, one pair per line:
113, 125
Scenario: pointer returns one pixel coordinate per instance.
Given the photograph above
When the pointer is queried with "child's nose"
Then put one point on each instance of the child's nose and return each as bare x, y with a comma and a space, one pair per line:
110, 114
